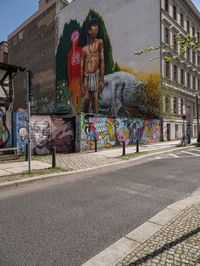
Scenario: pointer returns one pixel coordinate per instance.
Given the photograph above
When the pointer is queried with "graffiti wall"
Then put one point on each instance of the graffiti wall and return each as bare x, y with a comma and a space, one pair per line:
20, 129
131, 129
63, 134
47, 131
40, 127
151, 131
5, 129
96, 70
100, 128
110, 132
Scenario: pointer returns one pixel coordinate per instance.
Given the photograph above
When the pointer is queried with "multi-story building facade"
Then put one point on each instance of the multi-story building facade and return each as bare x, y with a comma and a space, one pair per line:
131, 26
181, 76
32, 45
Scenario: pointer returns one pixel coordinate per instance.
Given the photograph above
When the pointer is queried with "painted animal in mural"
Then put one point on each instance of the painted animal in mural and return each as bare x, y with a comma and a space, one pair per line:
120, 93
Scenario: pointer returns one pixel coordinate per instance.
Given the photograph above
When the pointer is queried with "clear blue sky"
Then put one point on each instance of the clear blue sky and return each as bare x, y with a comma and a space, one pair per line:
14, 12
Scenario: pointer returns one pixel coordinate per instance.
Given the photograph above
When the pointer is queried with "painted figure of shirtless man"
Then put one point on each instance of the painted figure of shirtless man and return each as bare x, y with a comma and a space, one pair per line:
92, 67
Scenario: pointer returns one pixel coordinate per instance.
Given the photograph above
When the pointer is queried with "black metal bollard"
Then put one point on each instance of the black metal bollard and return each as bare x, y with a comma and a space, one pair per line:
123, 148
26, 152
137, 145
53, 157
95, 144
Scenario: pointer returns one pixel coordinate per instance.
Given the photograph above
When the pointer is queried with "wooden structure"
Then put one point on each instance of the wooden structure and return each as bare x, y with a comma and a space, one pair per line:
7, 73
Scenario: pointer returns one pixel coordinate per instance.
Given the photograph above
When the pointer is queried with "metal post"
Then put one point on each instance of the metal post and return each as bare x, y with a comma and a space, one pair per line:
197, 106
137, 145
95, 144
53, 157
123, 148
26, 152
29, 114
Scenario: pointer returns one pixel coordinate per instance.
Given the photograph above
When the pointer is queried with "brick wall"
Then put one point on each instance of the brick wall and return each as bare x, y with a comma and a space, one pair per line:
34, 48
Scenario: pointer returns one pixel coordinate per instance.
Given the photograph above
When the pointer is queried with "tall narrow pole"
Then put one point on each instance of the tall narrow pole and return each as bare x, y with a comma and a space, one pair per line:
197, 106
29, 114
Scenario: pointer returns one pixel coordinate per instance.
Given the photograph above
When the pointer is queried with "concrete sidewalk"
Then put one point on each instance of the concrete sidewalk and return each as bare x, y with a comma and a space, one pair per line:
84, 160
10, 168
172, 237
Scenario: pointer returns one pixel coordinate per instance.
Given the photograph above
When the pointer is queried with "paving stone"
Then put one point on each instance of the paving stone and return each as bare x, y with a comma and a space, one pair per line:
176, 243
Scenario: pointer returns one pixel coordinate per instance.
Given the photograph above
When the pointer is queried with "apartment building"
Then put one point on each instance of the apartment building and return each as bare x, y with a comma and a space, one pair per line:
181, 76
42, 44
32, 45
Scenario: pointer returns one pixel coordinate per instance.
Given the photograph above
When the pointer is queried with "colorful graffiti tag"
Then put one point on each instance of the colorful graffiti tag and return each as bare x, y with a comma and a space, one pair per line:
151, 131
100, 128
20, 120
129, 130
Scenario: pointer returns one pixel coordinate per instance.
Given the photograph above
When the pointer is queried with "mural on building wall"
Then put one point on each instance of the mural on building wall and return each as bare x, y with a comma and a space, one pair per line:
5, 130
63, 134
89, 80
100, 128
21, 130
40, 134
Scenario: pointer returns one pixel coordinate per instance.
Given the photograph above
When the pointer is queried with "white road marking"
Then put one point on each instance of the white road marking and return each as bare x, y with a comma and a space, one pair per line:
173, 155
191, 153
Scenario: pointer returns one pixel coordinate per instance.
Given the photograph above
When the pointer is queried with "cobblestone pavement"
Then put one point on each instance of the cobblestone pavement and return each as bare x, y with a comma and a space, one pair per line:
76, 161
177, 243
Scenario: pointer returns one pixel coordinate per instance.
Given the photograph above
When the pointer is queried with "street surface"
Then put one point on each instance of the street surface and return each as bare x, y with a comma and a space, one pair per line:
68, 220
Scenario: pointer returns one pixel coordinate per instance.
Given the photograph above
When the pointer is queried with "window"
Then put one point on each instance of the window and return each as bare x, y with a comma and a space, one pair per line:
167, 70
182, 20
167, 104
188, 54
188, 80
198, 36
193, 58
194, 83
182, 77
167, 40
188, 26
175, 73
181, 106
167, 5
174, 12
193, 31
198, 60
175, 44
175, 105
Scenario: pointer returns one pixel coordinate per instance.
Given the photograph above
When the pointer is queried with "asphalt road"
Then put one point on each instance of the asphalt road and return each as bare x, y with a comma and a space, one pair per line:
68, 220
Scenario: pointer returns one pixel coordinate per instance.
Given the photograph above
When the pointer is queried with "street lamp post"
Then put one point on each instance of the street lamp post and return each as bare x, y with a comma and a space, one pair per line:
197, 110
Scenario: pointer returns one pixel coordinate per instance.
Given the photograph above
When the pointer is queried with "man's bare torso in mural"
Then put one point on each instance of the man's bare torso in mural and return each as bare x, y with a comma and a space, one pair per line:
92, 53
